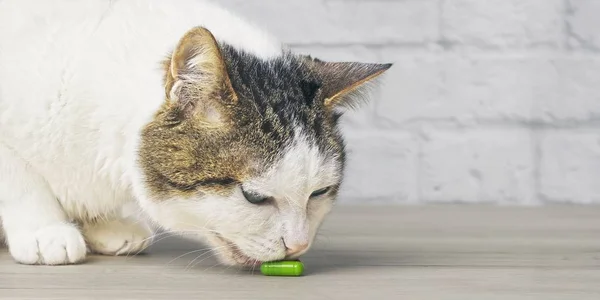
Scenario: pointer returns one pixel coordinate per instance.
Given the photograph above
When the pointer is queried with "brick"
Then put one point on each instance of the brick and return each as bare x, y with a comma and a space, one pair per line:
583, 24
481, 165
496, 88
343, 22
576, 93
503, 23
381, 168
410, 89
464, 89
361, 118
570, 167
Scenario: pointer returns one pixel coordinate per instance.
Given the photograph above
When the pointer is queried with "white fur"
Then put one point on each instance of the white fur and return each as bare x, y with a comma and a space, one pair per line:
78, 80
117, 237
260, 231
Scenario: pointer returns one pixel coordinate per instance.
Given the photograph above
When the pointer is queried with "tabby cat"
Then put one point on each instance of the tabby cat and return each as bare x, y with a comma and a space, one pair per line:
205, 123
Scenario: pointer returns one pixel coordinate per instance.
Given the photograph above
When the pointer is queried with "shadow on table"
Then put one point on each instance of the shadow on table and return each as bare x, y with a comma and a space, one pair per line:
319, 260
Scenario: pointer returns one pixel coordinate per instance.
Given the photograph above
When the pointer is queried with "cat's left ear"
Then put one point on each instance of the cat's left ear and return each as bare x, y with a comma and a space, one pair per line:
343, 82
197, 81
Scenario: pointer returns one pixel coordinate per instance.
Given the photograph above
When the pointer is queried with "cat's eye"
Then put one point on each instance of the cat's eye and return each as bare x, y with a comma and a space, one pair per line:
320, 192
255, 198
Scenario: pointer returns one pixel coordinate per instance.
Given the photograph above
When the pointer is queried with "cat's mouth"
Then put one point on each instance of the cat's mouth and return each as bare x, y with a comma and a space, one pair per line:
234, 253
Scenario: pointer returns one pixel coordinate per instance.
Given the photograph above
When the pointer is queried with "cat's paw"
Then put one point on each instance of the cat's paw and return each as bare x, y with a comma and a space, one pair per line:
117, 237
57, 244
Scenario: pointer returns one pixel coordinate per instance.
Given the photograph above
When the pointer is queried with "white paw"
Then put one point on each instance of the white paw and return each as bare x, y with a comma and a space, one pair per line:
117, 237
57, 244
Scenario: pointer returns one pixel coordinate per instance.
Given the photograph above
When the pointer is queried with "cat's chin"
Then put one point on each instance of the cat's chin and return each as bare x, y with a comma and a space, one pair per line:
231, 254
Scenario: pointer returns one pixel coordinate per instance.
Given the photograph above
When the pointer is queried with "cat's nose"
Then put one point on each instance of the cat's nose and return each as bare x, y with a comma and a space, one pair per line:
295, 249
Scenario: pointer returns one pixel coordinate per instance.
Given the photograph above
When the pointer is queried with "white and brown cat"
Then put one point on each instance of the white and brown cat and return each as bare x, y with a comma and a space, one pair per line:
201, 120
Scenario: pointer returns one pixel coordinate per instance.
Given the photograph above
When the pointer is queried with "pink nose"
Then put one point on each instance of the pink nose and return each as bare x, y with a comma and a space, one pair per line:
295, 249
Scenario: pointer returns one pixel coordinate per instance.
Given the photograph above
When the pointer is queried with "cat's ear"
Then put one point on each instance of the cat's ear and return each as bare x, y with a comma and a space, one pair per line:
344, 82
197, 81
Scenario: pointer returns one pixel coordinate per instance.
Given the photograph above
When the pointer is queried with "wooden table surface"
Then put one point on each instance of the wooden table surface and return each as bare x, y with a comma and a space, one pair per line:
418, 252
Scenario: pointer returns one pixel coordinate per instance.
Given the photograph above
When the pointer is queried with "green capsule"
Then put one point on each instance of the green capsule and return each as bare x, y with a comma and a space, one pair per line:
282, 268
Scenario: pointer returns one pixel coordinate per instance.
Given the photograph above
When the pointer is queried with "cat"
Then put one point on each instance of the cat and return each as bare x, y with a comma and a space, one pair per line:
208, 125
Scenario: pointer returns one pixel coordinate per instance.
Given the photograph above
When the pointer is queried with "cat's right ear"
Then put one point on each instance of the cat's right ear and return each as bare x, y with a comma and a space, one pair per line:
343, 83
197, 83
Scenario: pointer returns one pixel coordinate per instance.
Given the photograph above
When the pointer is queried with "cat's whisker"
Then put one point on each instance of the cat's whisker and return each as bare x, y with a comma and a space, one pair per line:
214, 265
198, 228
165, 235
208, 257
253, 266
213, 251
187, 253
190, 264
224, 270
153, 236
152, 242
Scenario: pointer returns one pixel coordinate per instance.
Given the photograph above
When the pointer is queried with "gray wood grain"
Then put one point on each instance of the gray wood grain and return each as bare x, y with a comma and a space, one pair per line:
429, 252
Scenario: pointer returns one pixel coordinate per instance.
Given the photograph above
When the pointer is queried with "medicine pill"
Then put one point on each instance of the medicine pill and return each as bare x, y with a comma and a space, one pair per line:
282, 268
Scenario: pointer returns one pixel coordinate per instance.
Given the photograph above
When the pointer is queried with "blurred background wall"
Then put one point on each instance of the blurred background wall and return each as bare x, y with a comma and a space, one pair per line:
489, 101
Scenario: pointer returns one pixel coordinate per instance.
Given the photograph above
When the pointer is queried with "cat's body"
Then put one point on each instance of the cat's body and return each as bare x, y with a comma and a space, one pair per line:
71, 79
79, 82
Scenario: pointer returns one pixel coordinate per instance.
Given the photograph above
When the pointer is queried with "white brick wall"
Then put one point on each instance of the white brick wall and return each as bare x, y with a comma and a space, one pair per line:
494, 101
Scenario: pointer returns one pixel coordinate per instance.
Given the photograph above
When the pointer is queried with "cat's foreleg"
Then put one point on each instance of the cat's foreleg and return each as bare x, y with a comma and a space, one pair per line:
36, 227
117, 236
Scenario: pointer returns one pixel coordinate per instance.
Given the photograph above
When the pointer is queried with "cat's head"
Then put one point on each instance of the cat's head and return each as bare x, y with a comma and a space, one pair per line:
246, 152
